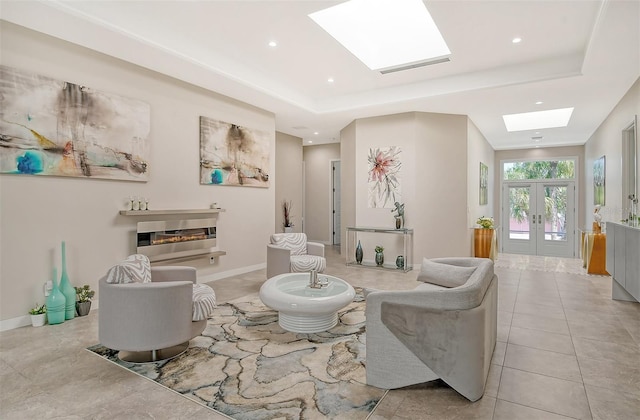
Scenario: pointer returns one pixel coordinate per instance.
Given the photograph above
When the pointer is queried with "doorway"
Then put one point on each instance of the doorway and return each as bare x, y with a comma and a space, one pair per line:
538, 218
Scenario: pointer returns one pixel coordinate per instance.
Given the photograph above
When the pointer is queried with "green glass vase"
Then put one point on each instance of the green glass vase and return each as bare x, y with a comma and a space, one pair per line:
66, 288
56, 302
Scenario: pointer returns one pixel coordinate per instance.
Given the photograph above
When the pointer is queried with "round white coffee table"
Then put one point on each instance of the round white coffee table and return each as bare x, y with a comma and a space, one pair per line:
304, 309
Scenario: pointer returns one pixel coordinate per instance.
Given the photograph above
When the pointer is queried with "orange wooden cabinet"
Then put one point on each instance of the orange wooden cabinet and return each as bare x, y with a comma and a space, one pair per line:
485, 243
594, 252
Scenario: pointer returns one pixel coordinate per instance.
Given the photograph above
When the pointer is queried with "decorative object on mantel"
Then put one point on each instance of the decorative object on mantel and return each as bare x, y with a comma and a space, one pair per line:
38, 315
136, 203
55, 302
359, 253
288, 220
84, 295
384, 177
233, 155
400, 262
379, 255
59, 128
399, 208
66, 288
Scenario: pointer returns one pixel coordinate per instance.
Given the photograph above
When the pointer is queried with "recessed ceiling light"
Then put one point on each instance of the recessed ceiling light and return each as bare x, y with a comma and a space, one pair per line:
389, 33
540, 119
539, 103
316, 133
310, 141
516, 40
330, 80
273, 44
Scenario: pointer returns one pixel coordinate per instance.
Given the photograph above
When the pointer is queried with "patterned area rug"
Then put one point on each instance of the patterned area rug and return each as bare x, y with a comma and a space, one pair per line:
246, 366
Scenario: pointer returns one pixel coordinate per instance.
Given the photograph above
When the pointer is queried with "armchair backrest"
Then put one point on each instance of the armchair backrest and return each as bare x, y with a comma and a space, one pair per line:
294, 242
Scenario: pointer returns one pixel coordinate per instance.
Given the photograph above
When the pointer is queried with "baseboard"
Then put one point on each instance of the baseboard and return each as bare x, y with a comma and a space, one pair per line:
231, 273
25, 320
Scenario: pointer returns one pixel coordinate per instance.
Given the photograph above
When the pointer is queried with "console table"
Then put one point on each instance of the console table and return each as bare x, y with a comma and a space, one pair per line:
407, 246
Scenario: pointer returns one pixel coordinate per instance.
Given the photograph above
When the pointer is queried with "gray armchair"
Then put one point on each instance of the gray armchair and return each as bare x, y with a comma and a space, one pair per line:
290, 252
149, 321
432, 332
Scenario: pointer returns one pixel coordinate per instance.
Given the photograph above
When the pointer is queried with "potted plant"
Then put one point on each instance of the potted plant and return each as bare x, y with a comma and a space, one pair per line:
288, 221
38, 315
379, 256
485, 222
83, 299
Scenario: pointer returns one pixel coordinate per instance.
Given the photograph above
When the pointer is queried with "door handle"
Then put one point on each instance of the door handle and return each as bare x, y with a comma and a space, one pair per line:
539, 219
534, 219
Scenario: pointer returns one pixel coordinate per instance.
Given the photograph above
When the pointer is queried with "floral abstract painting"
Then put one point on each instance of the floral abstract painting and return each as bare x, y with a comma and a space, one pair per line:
233, 155
384, 177
59, 128
484, 184
599, 181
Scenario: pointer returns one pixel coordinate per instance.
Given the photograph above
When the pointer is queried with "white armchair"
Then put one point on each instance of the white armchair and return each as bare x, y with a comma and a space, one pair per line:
149, 321
291, 253
415, 336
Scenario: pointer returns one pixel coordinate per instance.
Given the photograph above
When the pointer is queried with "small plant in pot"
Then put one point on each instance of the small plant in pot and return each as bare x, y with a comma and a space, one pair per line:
38, 315
379, 256
83, 299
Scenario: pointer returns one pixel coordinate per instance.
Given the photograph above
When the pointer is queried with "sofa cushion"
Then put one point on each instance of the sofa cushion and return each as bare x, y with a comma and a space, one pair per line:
135, 268
295, 242
445, 275
306, 263
204, 301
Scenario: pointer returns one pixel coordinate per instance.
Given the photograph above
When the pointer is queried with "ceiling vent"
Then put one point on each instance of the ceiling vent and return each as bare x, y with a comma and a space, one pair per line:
414, 65
536, 138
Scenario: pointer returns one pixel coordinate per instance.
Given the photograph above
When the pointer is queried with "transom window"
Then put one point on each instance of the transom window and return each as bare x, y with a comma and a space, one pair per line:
539, 169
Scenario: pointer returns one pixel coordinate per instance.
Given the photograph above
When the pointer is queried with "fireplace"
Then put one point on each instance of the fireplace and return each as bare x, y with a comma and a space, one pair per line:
172, 239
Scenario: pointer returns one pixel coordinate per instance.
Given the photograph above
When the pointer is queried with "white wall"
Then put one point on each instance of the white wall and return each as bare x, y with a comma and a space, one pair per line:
607, 141
38, 212
318, 173
288, 185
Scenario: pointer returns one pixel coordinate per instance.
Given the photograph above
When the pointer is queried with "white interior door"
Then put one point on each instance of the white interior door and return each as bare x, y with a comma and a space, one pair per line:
538, 218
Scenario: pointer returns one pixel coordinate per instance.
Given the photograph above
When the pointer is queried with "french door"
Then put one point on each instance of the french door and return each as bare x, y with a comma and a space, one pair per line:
538, 218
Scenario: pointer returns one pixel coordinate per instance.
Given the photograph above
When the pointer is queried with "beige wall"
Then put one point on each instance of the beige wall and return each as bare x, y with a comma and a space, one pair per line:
317, 211
433, 182
607, 141
479, 150
288, 184
347, 181
39, 212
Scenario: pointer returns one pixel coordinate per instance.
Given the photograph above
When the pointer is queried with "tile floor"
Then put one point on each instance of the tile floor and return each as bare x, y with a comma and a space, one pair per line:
565, 350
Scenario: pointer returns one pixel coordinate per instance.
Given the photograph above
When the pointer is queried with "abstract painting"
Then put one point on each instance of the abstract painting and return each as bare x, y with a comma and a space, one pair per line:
484, 184
58, 128
384, 177
233, 155
599, 181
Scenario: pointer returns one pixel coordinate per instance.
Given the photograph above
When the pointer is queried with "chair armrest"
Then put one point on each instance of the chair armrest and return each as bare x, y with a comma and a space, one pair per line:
315, 248
278, 260
173, 273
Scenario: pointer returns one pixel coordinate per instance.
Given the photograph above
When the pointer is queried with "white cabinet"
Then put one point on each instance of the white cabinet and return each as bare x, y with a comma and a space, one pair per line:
623, 261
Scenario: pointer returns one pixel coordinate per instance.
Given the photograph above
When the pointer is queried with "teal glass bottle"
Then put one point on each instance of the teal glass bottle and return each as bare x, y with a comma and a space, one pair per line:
66, 288
55, 303
359, 253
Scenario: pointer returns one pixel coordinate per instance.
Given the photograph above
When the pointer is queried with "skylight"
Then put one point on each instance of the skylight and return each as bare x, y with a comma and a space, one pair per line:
384, 33
536, 120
